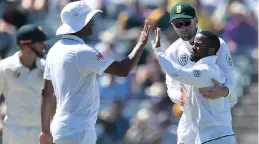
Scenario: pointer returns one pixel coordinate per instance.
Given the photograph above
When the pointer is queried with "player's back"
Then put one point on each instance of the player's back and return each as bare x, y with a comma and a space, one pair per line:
76, 90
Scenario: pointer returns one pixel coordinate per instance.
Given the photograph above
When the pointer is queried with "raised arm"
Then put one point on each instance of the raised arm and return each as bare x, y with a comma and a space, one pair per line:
123, 67
91, 60
199, 76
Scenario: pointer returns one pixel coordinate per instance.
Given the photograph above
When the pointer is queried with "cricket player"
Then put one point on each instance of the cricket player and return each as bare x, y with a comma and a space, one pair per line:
71, 72
21, 83
185, 23
210, 119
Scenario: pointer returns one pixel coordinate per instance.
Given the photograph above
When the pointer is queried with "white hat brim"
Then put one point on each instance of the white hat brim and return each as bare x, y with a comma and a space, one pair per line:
67, 29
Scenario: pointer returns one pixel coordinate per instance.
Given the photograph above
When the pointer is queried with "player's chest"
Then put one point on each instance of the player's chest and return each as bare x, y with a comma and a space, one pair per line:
183, 58
20, 78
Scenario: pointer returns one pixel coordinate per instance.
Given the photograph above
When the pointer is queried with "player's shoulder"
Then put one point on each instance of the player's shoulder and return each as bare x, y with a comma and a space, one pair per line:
8, 62
86, 49
223, 47
222, 42
41, 63
10, 59
174, 46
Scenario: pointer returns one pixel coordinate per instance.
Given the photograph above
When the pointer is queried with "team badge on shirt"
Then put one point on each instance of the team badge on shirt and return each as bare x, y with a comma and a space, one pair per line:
183, 59
16, 74
229, 60
197, 73
99, 56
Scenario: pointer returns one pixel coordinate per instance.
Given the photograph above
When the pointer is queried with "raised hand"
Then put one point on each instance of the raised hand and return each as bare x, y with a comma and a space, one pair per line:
156, 44
143, 38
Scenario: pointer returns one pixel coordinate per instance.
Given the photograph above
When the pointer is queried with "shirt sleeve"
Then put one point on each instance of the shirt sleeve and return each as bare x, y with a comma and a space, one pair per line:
47, 75
198, 76
173, 86
224, 61
92, 60
2, 79
173, 89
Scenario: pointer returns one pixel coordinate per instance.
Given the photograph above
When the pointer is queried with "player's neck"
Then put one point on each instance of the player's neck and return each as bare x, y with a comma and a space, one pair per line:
28, 60
191, 41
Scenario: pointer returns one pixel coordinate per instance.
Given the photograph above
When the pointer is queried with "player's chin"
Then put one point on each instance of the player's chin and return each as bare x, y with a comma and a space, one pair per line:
193, 57
185, 37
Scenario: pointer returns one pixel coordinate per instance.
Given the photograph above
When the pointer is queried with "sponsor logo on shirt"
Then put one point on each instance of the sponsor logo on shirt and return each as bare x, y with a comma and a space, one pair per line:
99, 56
183, 59
196, 73
229, 60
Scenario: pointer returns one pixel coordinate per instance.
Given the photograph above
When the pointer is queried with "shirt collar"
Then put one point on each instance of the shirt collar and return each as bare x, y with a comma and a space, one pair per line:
73, 37
40, 63
208, 60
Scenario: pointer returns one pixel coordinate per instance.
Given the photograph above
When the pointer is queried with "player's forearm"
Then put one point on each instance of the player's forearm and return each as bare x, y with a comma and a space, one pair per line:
188, 76
123, 67
46, 111
134, 56
53, 107
167, 66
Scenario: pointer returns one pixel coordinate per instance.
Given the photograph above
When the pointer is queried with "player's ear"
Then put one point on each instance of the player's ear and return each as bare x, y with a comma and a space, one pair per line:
211, 51
196, 20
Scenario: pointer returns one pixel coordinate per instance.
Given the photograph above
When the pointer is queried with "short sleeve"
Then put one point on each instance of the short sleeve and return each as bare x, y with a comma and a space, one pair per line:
91, 60
47, 75
2, 79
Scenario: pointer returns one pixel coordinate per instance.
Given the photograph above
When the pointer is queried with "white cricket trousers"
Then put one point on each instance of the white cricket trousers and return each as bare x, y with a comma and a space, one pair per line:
85, 137
21, 135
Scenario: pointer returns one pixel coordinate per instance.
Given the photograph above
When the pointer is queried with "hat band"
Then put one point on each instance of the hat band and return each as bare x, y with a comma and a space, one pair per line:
25, 41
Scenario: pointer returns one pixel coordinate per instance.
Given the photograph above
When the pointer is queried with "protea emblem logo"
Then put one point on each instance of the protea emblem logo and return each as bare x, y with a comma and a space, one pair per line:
183, 59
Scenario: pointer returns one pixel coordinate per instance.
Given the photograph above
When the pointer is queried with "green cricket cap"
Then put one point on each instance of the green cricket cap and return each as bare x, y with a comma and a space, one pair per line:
30, 33
182, 10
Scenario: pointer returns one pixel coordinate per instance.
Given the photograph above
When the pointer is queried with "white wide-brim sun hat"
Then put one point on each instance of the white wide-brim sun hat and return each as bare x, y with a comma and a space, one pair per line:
75, 16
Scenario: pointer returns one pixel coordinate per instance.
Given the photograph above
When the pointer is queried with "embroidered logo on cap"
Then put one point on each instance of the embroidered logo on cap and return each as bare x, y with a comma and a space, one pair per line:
179, 9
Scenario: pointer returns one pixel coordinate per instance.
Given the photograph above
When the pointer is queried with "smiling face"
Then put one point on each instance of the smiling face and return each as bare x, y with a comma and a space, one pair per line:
200, 48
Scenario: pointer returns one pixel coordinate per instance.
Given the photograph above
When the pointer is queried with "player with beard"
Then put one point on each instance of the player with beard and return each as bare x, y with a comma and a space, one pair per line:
208, 119
185, 23
21, 82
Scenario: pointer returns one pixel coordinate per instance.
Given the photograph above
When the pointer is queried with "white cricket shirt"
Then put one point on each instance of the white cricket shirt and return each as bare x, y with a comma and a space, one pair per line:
22, 91
73, 67
179, 52
210, 119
